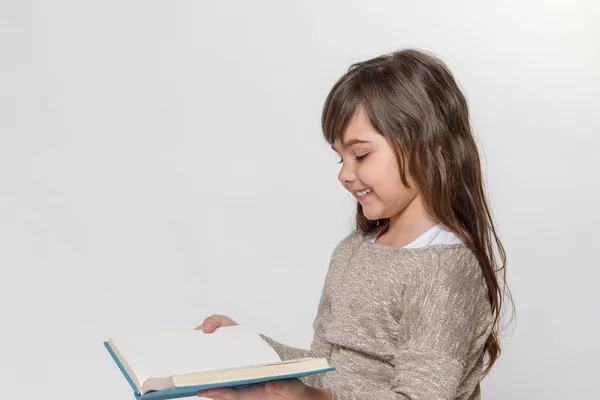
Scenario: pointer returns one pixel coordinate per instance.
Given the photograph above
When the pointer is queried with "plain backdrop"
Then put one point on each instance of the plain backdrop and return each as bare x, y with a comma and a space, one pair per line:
161, 161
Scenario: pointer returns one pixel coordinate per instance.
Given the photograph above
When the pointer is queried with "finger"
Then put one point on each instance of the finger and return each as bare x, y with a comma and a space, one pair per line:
220, 392
203, 327
225, 394
283, 386
272, 387
256, 391
207, 392
210, 395
211, 323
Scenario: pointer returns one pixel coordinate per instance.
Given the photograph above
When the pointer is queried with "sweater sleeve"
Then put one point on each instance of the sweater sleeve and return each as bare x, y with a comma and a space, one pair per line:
444, 315
319, 346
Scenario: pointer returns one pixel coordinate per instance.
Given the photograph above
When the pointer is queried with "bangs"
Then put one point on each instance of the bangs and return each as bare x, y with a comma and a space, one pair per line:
362, 85
339, 107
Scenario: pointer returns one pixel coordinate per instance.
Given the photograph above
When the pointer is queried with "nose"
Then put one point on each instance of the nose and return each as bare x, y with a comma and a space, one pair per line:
347, 174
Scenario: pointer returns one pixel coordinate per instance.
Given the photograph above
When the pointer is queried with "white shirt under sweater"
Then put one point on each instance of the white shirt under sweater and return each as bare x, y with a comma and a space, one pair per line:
438, 234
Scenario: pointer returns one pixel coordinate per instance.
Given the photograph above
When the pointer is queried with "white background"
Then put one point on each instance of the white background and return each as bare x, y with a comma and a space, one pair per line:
163, 161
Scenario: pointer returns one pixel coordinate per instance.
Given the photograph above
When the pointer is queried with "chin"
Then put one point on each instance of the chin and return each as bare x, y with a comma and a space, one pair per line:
371, 215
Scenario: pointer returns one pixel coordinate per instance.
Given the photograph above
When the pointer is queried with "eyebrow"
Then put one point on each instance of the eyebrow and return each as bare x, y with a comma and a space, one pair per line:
351, 142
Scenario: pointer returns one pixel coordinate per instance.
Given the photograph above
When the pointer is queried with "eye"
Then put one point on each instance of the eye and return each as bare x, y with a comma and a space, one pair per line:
357, 158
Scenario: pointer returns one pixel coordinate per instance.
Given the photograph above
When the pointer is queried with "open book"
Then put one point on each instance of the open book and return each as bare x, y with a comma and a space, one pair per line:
178, 364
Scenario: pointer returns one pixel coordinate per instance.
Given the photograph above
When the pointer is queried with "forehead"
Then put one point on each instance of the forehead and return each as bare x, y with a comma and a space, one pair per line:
359, 130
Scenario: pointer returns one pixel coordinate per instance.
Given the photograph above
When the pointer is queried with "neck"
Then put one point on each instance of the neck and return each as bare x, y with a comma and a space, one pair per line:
410, 223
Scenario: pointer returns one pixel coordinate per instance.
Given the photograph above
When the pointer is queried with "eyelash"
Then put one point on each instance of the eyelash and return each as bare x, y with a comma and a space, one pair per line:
358, 158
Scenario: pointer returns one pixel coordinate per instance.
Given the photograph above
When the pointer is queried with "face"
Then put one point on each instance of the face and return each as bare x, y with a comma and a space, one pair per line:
370, 170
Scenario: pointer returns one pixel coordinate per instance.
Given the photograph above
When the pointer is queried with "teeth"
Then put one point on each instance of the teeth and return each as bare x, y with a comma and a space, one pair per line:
363, 192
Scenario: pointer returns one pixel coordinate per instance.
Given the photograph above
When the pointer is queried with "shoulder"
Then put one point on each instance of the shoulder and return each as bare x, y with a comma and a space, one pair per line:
457, 263
451, 268
348, 244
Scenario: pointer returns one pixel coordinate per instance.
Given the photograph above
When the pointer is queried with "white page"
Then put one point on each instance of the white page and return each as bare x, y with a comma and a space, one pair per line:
167, 354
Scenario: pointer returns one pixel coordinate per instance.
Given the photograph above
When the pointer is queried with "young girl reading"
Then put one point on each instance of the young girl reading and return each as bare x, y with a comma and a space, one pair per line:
411, 301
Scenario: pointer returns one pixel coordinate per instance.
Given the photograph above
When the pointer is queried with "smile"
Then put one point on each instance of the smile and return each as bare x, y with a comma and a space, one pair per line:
362, 194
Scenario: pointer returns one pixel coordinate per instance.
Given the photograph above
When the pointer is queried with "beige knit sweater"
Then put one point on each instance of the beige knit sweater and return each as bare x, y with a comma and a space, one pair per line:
399, 323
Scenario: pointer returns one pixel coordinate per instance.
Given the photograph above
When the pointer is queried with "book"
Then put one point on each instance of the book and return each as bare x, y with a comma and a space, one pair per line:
178, 364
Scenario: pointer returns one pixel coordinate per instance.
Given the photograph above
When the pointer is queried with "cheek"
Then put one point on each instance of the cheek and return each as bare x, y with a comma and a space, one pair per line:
369, 175
382, 175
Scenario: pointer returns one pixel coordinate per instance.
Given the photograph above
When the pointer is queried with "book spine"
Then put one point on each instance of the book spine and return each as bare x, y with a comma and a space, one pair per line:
136, 392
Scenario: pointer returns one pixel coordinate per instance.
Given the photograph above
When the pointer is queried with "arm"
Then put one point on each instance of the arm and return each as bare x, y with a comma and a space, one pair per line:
319, 346
286, 352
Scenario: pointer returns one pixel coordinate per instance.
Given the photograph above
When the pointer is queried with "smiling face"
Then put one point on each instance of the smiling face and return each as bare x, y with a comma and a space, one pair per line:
370, 170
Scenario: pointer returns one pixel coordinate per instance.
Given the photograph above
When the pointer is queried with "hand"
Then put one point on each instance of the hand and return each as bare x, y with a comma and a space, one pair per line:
215, 321
286, 389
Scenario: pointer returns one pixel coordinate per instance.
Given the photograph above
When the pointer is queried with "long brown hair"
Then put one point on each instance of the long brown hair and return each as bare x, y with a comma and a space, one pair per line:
412, 99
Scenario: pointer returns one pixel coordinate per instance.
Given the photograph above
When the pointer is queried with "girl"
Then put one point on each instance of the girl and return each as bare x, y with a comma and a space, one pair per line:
411, 300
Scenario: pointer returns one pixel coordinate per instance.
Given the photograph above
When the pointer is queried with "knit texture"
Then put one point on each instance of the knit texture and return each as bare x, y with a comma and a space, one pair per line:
399, 323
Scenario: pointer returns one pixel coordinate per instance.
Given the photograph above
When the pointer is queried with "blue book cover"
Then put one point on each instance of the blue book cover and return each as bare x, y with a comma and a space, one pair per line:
189, 391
